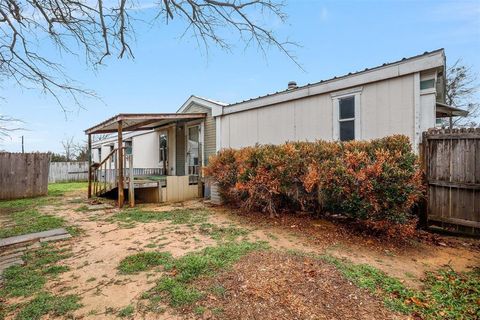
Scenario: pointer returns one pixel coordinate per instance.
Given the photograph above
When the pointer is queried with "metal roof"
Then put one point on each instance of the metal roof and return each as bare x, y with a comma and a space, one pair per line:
141, 121
387, 64
444, 110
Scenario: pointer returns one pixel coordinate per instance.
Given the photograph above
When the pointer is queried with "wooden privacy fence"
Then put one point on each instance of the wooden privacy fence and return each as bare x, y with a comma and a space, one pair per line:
68, 171
452, 167
23, 175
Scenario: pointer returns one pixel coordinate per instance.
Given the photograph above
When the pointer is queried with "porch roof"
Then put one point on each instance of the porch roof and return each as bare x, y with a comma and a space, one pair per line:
445, 111
141, 121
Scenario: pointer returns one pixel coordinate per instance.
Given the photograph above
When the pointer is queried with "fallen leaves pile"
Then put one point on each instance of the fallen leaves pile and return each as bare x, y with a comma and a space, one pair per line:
273, 285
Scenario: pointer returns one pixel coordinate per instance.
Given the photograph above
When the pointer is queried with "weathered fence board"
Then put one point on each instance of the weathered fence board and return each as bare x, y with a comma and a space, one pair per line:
68, 171
452, 160
23, 175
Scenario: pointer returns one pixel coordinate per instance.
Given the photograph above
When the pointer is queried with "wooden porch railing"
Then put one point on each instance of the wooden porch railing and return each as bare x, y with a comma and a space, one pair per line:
105, 173
104, 177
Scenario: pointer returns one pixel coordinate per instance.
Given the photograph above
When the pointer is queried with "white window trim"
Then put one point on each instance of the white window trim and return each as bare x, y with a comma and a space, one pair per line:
111, 147
425, 77
356, 93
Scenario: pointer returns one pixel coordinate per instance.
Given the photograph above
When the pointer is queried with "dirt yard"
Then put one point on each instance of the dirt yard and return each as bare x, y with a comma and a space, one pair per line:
193, 260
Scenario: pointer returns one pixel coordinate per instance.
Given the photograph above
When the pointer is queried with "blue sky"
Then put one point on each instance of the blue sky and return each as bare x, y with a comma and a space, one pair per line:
336, 37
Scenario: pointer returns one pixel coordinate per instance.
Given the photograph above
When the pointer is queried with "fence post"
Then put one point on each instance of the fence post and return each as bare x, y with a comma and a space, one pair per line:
423, 203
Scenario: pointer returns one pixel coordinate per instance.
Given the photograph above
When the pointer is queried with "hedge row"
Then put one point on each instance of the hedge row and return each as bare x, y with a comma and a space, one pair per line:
375, 181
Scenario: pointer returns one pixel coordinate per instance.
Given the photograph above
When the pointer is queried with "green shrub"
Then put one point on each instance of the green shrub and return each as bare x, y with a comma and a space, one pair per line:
376, 181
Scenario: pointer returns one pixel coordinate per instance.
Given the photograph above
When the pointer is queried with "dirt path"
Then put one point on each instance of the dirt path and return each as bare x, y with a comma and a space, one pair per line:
98, 251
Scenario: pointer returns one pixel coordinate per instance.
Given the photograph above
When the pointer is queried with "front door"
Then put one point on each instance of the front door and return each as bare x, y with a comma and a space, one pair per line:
193, 150
163, 155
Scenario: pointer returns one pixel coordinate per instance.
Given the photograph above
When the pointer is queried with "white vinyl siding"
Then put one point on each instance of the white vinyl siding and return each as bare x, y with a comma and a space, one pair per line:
381, 108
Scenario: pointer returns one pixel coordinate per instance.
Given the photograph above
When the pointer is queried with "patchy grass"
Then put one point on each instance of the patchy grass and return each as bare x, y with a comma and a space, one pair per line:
143, 261
7, 206
393, 292
178, 293
179, 216
59, 189
83, 208
48, 304
446, 293
199, 310
21, 281
451, 295
126, 312
30, 278
221, 233
55, 191
177, 286
29, 221
23, 215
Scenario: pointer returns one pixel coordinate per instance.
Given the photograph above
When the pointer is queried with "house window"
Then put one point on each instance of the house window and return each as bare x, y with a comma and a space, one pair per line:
100, 154
346, 118
427, 84
114, 155
128, 147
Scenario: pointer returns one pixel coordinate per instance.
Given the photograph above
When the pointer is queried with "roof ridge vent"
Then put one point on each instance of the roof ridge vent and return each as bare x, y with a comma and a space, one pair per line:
292, 85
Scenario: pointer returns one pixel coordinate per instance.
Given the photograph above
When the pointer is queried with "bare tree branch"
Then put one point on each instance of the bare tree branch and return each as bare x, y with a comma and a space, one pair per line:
8, 125
462, 90
69, 148
99, 29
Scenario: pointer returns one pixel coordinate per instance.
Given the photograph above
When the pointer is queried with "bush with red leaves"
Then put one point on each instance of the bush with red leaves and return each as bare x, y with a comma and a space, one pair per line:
375, 181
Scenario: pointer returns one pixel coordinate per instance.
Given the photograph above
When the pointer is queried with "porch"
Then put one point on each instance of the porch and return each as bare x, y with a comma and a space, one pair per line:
117, 173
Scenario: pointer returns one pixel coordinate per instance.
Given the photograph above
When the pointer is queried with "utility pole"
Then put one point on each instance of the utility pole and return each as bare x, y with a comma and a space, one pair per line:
23, 146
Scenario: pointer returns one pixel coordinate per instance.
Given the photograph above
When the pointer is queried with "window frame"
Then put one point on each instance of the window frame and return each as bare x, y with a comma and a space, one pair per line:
340, 120
114, 157
428, 77
336, 97
128, 145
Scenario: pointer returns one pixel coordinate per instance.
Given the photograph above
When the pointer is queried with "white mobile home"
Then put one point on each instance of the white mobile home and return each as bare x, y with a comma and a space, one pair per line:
403, 97
174, 146
161, 146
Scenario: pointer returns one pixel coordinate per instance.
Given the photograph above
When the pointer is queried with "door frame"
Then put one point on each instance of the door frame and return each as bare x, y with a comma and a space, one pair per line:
166, 162
201, 130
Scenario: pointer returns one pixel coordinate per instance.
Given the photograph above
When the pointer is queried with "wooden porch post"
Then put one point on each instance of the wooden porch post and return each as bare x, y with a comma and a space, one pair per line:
89, 166
200, 168
131, 190
120, 165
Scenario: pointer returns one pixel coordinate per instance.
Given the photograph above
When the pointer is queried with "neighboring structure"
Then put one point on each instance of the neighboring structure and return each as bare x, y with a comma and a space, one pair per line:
403, 97
68, 171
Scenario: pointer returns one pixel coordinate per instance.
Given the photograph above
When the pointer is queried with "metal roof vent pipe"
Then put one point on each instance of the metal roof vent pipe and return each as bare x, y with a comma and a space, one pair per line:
292, 85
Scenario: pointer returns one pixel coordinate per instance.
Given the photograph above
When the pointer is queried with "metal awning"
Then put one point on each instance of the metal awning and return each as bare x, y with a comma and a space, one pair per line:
141, 121
446, 111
